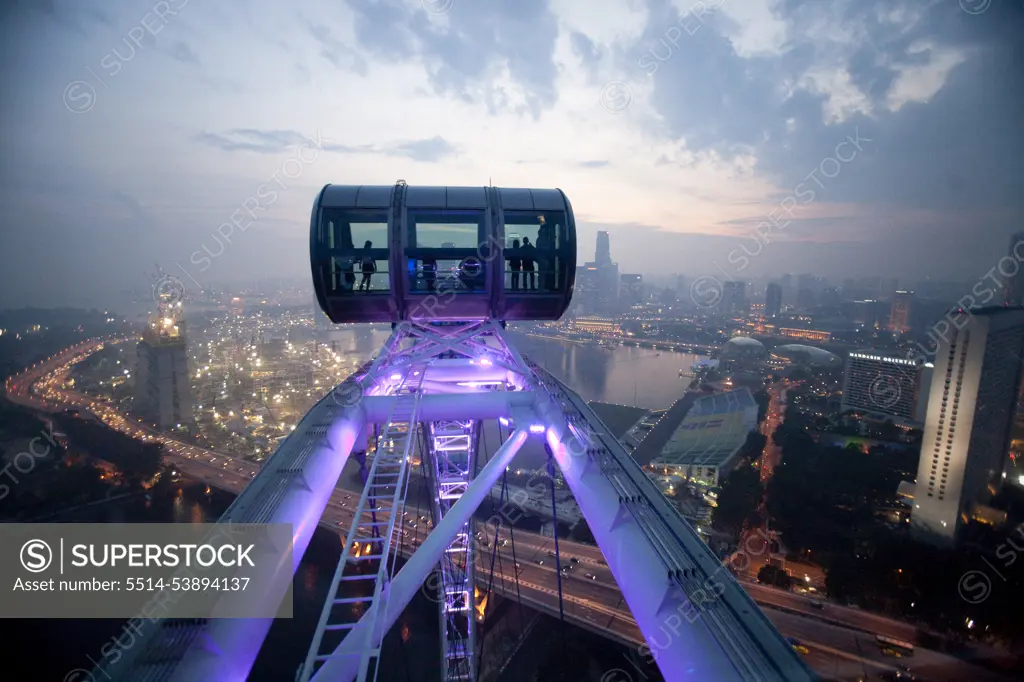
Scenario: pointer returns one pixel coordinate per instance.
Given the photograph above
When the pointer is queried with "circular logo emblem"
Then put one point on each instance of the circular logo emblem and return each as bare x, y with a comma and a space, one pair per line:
168, 290
36, 556
706, 292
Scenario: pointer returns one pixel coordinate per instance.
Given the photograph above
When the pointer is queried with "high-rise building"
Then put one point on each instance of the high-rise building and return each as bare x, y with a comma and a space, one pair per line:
734, 297
971, 406
899, 315
586, 298
866, 313
162, 392
886, 386
608, 294
1013, 287
631, 290
603, 255
773, 300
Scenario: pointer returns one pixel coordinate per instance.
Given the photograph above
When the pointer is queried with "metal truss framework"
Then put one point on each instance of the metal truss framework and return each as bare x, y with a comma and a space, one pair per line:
676, 589
452, 456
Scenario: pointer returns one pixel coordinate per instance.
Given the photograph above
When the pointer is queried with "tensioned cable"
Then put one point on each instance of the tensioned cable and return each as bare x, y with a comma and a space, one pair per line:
554, 513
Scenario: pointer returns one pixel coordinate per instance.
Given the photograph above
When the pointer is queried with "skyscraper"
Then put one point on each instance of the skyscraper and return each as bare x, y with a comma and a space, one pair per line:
734, 297
586, 298
631, 290
1013, 286
899, 315
773, 300
886, 386
162, 392
971, 407
603, 255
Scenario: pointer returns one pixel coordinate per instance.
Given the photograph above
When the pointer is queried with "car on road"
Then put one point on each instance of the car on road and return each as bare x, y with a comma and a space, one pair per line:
574, 560
818, 604
798, 646
540, 562
590, 576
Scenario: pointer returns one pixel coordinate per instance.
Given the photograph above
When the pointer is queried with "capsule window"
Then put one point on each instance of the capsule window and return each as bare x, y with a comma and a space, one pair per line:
354, 251
446, 250
537, 252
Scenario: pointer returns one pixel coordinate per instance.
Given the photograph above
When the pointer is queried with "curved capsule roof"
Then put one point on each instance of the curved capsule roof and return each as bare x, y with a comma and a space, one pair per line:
743, 345
389, 253
806, 354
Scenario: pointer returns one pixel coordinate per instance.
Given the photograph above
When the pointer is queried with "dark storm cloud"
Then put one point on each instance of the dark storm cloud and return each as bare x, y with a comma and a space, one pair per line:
277, 141
962, 150
481, 38
71, 15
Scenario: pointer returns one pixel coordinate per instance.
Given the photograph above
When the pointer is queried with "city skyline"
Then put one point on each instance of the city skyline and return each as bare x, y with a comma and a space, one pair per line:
181, 133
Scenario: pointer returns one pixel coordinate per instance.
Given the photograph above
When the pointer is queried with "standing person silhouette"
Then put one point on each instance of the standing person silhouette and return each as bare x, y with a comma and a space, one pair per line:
515, 263
430, 273
529, 276
368, 266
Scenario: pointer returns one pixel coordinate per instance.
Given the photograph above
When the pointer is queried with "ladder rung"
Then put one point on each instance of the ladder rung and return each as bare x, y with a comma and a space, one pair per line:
367, 557
350, 578
326, 657
353, 600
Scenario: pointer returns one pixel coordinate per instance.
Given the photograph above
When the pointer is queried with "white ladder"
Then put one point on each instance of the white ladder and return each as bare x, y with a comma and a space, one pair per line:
370, 539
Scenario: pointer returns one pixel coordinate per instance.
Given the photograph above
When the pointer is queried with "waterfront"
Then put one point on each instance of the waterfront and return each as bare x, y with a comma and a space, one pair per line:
625, 375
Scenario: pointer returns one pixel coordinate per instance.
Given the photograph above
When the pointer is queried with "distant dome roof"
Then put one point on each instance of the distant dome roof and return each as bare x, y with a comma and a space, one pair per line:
808, 354
745, 341
743, 345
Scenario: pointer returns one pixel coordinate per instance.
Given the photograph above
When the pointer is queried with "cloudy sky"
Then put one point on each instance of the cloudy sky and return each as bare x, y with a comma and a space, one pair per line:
876, 137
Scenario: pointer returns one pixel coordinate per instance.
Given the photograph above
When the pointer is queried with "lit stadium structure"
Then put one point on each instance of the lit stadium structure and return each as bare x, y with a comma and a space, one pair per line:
806, 355
451, 282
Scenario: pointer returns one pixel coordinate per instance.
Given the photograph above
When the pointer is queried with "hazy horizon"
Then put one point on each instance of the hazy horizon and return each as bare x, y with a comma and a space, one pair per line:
687, 129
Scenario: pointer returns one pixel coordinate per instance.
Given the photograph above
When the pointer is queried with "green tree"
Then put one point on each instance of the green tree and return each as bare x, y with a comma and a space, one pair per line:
763, 400
582, 533
775, 576
738, 500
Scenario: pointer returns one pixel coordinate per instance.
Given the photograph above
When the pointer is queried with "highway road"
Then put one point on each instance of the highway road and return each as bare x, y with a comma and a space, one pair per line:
840, 640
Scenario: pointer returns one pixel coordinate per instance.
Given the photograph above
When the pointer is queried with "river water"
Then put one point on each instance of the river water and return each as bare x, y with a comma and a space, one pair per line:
627, 375
52, 648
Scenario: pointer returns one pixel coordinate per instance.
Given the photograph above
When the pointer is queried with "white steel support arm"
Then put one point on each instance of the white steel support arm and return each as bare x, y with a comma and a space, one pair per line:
344, 664
697, 622
229, 648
